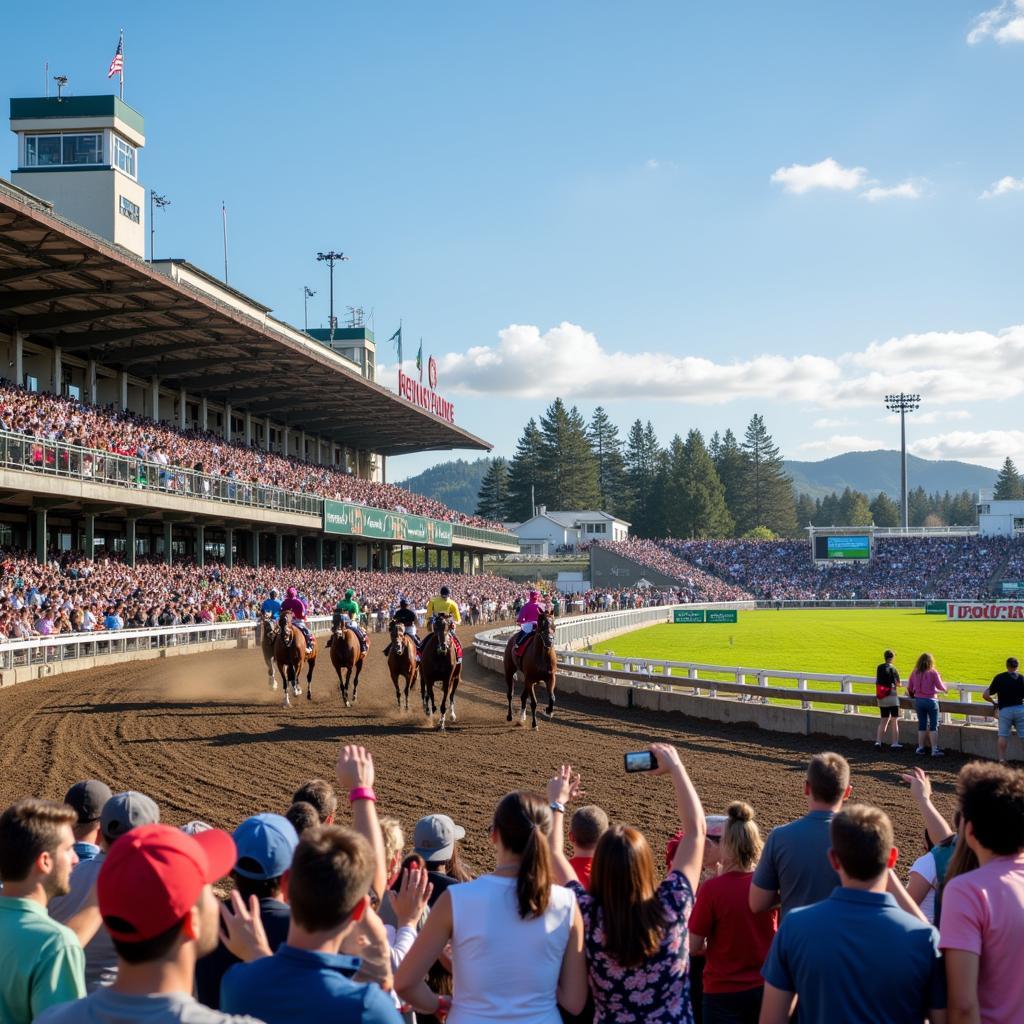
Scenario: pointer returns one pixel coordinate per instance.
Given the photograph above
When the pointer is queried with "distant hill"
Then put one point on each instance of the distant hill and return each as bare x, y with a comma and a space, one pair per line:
872, 472
455, 483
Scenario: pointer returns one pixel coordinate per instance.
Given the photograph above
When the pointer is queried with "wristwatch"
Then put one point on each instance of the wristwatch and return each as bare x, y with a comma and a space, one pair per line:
556, 806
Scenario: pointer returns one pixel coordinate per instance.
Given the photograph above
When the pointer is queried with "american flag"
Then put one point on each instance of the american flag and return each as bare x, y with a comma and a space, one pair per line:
117, 64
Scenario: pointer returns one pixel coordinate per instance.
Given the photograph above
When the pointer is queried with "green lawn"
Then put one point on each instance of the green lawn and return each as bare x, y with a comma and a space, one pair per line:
831, 640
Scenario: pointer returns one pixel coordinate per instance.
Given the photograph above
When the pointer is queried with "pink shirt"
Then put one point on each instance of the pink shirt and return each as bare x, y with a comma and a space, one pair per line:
983, 913
530, 612
925, 684
296, 606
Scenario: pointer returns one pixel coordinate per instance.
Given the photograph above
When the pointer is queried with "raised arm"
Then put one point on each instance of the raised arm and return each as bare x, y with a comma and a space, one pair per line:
433, 937
921, 790
690, 852
355, 776
563, 788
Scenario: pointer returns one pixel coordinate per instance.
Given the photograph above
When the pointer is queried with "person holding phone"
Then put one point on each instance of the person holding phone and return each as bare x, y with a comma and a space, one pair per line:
636, 929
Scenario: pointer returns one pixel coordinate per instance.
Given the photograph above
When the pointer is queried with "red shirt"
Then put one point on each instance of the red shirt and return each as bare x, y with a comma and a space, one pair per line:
738, 940
582, 866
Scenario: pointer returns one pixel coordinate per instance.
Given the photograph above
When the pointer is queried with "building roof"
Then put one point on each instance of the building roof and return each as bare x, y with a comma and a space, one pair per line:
96, 300
100, 108
569, 520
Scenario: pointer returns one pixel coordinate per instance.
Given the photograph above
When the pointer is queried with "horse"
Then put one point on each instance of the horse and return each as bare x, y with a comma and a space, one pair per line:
537, 665
266, 636
438, 663
348, 655
401, 660
291, 654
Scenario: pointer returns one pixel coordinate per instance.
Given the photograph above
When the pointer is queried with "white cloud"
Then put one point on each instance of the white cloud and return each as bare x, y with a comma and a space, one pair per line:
1004, 23
839, 443
830, 424
989, 447
927, 418
906, 190
801, 178
1003, 187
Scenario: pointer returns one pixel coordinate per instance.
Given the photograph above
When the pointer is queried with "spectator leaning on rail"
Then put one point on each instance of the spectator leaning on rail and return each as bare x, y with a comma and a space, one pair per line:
863, 954
983, 910
794, 869
41, 961
924, 685
1006, 692
887, 685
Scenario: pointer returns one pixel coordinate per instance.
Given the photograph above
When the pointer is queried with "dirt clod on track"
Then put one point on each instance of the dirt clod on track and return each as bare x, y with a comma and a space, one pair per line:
206, 738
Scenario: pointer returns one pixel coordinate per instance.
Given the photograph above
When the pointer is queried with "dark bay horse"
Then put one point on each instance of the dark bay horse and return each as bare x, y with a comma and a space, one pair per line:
266, 637
537, 665
347, 656
401, 660
439, 664
291, 654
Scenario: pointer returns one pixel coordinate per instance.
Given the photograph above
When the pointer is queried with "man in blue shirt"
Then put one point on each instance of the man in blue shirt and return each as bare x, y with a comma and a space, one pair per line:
272, 605
307, 979
856, 956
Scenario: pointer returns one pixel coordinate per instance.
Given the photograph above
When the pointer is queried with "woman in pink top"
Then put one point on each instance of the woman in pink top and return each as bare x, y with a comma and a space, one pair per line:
925, 682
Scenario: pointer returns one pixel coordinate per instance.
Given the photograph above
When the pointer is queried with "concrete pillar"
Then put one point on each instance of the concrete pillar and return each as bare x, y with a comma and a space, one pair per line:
91, 393
204, 414
90, 535
462, 561
227, 421
200, 545
130, 543
41, 535
278, 550
284, 440
229, 547
266, 434
248, 428
383, 463
168, 538
254, 549
298, 551
58, 370
320, 551
18, 358
302, 449
154, 397
338, 551
182, 409
122, 390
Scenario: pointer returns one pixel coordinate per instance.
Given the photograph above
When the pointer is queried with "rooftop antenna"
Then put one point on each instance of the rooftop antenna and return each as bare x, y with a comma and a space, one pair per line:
62, 81
46, 79
356, 317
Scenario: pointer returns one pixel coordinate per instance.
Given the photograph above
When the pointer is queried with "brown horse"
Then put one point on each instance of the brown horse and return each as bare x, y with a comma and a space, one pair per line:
266, 637
537, 665
347, 655
439, 664
401, 660
291, 653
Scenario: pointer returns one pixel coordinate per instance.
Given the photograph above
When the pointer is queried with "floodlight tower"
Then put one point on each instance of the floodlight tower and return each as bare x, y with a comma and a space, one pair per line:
903, 404
330, 258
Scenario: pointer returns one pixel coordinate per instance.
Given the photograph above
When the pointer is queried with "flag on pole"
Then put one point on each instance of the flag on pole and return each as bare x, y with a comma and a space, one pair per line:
419, 361
397, 339
117, 64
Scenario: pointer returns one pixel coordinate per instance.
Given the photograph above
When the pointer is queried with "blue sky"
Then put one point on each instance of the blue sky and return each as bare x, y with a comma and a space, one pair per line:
686, 212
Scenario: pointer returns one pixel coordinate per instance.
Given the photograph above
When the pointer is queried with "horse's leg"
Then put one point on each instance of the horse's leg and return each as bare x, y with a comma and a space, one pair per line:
533, 706
510, 678
456, 676
523, 696
551, 695
359, 672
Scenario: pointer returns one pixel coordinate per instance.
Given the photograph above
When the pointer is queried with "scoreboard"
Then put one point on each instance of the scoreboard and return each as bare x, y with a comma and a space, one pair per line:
838, 546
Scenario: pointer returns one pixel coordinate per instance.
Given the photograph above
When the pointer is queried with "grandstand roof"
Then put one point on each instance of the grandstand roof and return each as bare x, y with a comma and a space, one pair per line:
98, 301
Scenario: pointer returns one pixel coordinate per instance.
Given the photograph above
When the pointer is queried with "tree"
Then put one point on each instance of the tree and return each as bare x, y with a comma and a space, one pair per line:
1009, 484
919, 505
806, 510
766, 492
885, 511
568, 469
642, 464
704, 512
731, 466
493, 502
606, 445
524, 481
854, 509
760, 533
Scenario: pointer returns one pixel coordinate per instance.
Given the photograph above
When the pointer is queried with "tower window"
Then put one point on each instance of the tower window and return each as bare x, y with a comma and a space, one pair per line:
124, 156
63, 150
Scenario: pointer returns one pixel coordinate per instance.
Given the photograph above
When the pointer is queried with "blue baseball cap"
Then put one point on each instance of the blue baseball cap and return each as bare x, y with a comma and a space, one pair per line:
265, 844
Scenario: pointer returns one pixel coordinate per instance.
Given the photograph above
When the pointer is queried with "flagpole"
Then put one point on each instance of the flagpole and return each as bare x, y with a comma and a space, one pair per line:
224, 217
122, 65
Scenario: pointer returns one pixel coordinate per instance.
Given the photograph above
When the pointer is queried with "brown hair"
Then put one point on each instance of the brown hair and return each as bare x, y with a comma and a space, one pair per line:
741, 843
331, 872
623, 884
523, 822
27, 829
924, 663
321, 795
302, 815
588, 824
828, 776
862, 841
992, 800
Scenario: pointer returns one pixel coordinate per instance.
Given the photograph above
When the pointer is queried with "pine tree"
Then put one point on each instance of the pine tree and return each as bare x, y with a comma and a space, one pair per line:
606, 445
703, 509
920, 506
568, 468
1009, 484
642, 465
524, 480
766, 491
805, 510
493, 501
885, 511
731, 466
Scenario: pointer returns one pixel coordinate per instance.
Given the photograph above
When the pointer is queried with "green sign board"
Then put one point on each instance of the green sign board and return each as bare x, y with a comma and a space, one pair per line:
688, 615
935, 608
1012, 586
722, 615
379, 524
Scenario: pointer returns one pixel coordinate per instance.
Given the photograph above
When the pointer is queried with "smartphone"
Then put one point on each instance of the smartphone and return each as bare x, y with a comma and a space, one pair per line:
640, 761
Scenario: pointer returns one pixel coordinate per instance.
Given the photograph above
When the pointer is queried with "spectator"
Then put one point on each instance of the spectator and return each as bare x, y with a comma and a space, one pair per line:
264, 844
516, 937
436, 839
586, 827
636, 929
302, 815
925, 682
794, 869
155, 894
41, 963
86, 799
1006, 692
983, 910
322, 796
856, 956
887, 685
734, 940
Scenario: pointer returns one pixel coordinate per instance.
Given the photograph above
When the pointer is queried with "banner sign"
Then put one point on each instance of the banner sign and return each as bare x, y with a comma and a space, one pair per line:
688, 615
935, 608
1012, 587
722, 615
426, 398
978, 611
379, 524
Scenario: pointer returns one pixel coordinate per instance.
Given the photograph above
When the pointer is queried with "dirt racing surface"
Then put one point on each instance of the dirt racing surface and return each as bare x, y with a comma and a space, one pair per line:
206, 738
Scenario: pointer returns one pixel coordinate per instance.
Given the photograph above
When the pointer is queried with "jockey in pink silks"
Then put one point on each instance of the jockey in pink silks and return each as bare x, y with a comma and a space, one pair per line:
527, 617
294, 604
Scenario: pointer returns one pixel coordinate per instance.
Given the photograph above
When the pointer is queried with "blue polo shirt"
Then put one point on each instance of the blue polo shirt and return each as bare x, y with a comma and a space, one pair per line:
856, 958
295, 986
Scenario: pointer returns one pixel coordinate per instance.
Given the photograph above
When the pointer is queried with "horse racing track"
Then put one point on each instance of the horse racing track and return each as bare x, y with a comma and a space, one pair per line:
207, 739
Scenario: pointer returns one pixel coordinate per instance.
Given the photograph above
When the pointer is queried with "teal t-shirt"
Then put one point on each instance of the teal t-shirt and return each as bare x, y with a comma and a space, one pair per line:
41, 961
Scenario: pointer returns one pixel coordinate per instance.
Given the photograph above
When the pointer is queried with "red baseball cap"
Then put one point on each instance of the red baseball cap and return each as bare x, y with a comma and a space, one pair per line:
153, 876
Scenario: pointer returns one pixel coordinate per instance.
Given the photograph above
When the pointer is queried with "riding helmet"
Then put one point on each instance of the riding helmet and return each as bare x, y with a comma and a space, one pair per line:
445, 591
292, 592
350, 593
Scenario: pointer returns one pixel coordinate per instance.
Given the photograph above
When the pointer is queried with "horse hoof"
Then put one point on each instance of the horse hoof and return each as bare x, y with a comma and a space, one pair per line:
309, 695
534, 727
508, 717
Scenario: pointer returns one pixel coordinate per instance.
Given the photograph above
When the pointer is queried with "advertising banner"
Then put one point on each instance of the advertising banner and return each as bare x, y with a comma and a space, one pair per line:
688, 615
379, 524
1012, 587
935, 608
980, 611
722, 615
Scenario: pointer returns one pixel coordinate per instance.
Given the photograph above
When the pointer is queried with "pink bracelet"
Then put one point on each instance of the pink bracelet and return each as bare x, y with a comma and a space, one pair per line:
362, 793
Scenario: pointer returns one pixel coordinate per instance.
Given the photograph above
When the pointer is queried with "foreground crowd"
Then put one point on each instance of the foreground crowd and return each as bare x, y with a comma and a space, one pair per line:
108, 916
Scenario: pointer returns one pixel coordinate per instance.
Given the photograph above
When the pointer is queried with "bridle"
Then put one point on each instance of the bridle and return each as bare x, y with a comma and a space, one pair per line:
442, 632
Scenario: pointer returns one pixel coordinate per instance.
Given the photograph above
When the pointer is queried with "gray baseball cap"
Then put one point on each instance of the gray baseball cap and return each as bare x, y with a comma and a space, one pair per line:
435, 837
87, 799
125, 811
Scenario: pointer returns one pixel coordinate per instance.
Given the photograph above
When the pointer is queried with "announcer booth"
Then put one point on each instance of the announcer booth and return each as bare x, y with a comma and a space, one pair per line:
842, 545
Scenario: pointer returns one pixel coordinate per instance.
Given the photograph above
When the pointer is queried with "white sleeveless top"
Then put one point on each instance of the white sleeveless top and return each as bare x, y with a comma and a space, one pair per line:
506, 968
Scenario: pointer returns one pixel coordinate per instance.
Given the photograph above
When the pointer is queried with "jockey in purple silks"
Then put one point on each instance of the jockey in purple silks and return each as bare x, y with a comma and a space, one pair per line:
527, 618
294, 604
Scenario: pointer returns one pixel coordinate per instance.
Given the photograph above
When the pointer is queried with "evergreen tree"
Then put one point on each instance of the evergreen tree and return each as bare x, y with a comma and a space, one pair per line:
1009, 484
731, 467
568, 468
606, 445
766, 491
828, 511
920, 506
806, 510
493, 501
525, 485
642, 466
703, 511
885, 511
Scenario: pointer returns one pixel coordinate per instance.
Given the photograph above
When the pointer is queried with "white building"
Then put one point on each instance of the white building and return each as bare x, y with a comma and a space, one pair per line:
999, 518
548, 532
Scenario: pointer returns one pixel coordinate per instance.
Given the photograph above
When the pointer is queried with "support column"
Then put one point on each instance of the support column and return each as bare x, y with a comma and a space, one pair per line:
227, 421
266, 435
91, 393
369, 558
298, 551
168, 540
204, 414
40, 535
18, 358
130, 542
248, 428
278, 550
284, 440
462, 561
90, 535
254, 554
58, 370
154, 397
338, 551
182, 409
229, 547
122, 390
320, 551
200, 545
302, 449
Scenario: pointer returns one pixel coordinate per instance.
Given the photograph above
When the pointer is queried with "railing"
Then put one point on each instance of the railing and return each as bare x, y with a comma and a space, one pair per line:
485, 536
916, 603
923, 531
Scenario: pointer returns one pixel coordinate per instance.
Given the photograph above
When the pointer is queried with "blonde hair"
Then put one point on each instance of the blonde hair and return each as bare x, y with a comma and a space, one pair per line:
394, 839
741, 838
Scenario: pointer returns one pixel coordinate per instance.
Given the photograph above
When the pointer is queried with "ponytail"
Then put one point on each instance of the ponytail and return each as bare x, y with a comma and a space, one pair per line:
533, 884
523, 822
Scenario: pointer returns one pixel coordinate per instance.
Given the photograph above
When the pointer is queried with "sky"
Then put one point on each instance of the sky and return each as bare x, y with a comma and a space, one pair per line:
685, 212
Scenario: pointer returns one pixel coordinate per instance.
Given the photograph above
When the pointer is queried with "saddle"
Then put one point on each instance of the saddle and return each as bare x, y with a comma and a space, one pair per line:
520, 648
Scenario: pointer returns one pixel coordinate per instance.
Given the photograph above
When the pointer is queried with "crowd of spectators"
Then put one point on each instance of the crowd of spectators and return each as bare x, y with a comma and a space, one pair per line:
322, 913
185, 457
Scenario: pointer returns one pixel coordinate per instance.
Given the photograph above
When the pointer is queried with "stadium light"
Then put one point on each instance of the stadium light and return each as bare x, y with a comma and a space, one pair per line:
159, 202
330, 258
308, 293
903, 404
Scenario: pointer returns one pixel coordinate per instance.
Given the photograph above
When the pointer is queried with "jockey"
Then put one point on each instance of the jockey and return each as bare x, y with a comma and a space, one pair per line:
405, 616
347, 611
527, 618
294, 604
272, 605
444, 605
